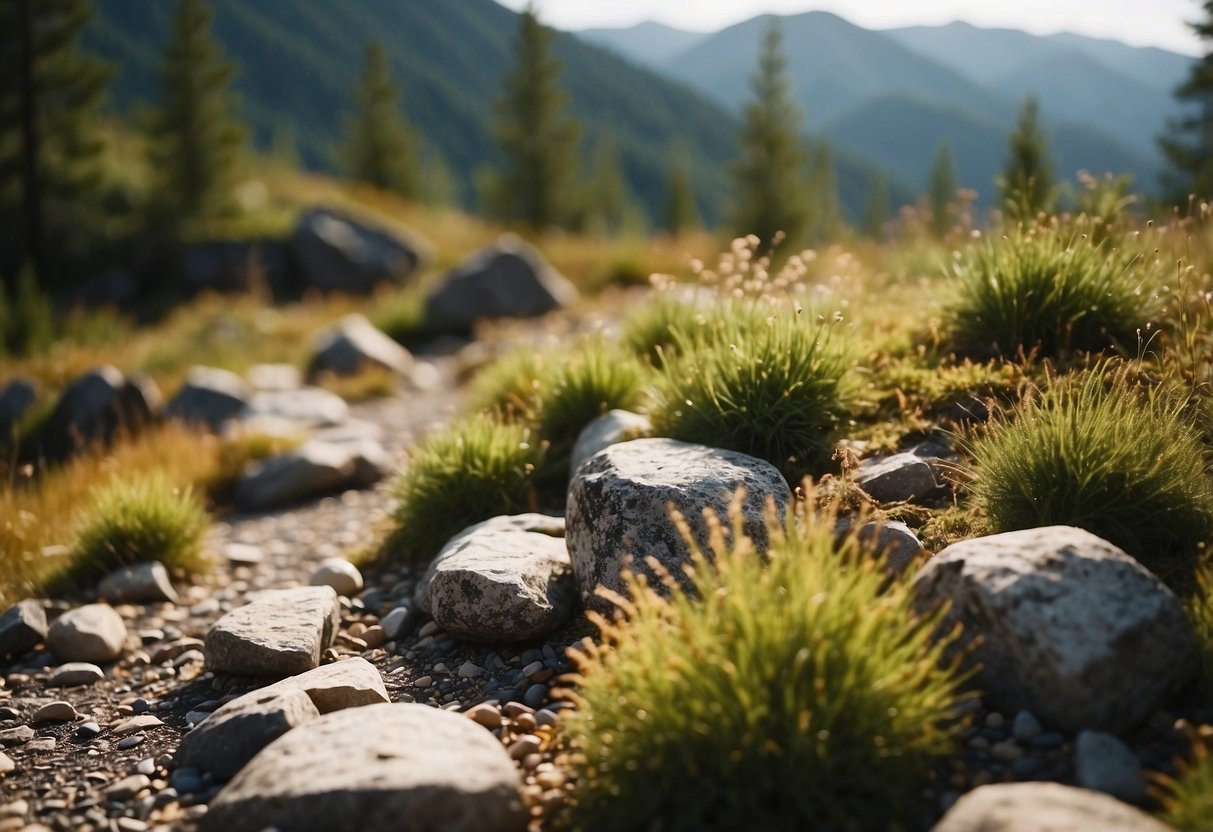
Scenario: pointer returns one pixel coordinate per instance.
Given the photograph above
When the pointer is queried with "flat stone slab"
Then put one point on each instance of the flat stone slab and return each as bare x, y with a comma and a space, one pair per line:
279, 633
1043, 807
381, 768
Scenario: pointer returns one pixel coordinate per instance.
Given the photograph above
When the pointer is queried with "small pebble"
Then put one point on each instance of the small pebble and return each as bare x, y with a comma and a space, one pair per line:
1005, 751
146, 766
88, 730
54, 712
127, 787
995, 720
535, 695
1026, 727
131, 741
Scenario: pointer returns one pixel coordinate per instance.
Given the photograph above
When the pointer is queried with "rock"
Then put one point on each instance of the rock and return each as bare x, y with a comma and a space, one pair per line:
372, 463
243, 554
235, 266
619, 503
127, 787
905, 477
1071, 628
311, 470
509, 279
337, 253
6, 764
352, 345
1026, 727
59, 711
22, 628
312, 407
92, 633
227, 739
15, 399
501, 585
1037, 807
608, 429
1105, 764
137, 584
397, 622
19, 735
279, 633
136, 723
209, 397
349, 683
340, 574
73, 674
275, 378
892, 539
373, 769
96, 407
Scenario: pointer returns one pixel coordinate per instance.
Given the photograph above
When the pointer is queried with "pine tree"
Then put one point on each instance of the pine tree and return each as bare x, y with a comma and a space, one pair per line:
196, 140
680, 211
1188, 144
537, 140
380, 148
823, 211
1026, 186
50, 144
769, 176
942, 189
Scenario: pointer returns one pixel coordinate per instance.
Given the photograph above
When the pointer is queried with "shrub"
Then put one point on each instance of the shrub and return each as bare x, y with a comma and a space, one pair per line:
141, 520
792, 691
477, 469
1042, 290
774, 390
1100, 453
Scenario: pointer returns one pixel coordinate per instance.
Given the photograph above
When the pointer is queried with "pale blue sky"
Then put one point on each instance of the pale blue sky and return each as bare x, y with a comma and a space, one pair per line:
1137, 22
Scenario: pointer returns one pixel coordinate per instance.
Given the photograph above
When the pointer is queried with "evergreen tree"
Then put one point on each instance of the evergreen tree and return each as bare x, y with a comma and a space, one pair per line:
537, 140
50, 145
195, 140
823, 211
380, 147
680, 211
769, 181
876, 211
942, 189
1188, 144
608, 195
1026, 186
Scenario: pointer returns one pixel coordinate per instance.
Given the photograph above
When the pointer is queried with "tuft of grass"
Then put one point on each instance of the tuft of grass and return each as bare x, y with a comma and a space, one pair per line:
1199, 610
1188, 798
1099, 452
371, 382
775, 389
650, 332
142, 519
803, 670
477, 469
1046, 290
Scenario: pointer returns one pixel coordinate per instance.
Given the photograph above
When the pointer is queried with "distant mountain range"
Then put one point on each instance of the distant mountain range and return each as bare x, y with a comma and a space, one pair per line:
892, 95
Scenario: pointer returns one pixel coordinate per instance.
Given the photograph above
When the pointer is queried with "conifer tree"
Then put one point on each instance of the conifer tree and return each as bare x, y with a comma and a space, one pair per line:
680, 211
1026, 186
823, 211
1188, 144
196, 140
536, 138
770, 194
50, 145
877, 209
942, 189
380, 147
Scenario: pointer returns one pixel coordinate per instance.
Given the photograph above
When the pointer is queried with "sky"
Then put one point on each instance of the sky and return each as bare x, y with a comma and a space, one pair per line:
1136, 22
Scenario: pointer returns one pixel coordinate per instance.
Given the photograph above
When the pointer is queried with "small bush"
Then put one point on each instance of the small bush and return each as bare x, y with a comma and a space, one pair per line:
774, 389
475, 470
792, 691
1043, 290
1099, 453
141, 520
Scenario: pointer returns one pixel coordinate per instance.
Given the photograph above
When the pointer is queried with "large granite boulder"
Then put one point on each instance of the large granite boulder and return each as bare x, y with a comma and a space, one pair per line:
352, 345
96, 407
1069, 627
209, 397
334, 252
619, 505
608, 429
509, 279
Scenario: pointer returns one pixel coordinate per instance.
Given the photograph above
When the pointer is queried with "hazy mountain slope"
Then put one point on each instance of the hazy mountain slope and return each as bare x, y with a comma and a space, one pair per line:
980, 54
1148, 65
648, 43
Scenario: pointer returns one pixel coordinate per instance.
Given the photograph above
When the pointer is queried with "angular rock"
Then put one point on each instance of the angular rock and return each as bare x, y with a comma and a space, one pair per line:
1105, 764
509, 279
73, 674
372, 463
278, 633
905, 477
619, 506
608, 429
1037, 807
349, 683
15, 399
892, 539
22, 628
209, 397
338, 573
1072, 629
373, 769
397, 622
308, 406
138, 583
96, 407
352, 345
92, 633
312, 469
337, 253
501, 585
227, 739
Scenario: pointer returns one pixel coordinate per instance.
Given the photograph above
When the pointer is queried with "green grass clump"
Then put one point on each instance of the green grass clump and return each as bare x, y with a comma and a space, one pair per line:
144, 519
775, 390
1189, 798
477, 469
1097, 452
792, 691
1047, 291
650, 331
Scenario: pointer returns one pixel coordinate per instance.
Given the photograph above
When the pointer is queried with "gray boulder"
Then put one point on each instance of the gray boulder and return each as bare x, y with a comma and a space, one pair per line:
22, 628
905, 477
1071, 628
312, 469
374, 769
235, 266
619, 506
1043, 807
92, 633
608, 429
337, 253
278, 633
210, 396
137, 584
509, 279
96, 407
308, 406
15, 399
227, 739
352, 345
